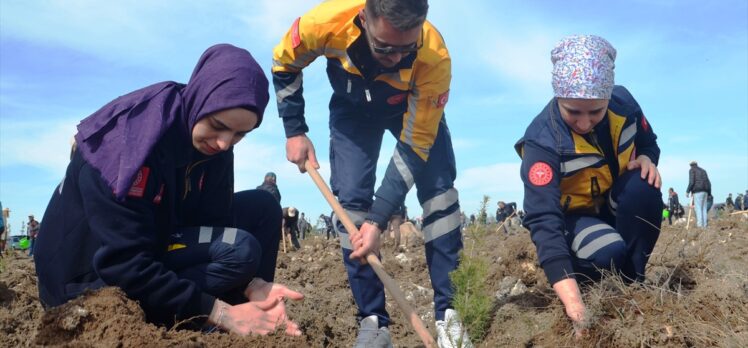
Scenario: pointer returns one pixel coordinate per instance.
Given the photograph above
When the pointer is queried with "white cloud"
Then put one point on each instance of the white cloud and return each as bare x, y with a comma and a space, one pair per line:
41, 144
272, 20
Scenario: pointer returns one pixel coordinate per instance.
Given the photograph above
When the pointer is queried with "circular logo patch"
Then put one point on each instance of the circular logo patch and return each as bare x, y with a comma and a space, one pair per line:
540, 174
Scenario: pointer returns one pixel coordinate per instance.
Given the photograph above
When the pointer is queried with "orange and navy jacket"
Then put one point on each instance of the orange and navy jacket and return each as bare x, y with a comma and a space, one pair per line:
416, 89
566, 173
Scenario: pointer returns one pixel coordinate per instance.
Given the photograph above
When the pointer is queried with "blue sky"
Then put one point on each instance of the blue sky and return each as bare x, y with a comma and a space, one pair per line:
686, 62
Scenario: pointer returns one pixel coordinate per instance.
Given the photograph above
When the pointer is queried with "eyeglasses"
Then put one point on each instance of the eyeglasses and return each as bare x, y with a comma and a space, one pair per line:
388, 50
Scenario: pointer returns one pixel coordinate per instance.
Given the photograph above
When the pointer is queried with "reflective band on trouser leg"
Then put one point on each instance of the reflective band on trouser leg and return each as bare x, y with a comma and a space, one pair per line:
596, 246
367, 289
358, 219
441, 218
443, 238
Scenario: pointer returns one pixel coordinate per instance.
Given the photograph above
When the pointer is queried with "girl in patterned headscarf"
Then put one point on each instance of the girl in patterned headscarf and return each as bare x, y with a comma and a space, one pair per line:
148, 204
589, 167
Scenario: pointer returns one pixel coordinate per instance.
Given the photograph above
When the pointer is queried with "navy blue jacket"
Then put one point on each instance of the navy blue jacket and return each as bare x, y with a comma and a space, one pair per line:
564, 174
89, 239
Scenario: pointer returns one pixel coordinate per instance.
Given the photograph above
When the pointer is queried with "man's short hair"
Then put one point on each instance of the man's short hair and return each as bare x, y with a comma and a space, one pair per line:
402, 14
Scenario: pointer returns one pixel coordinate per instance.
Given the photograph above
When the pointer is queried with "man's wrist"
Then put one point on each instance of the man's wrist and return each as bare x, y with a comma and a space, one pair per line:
373, 223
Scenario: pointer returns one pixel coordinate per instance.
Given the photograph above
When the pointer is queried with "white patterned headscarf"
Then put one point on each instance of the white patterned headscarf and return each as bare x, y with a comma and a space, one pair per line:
583, 67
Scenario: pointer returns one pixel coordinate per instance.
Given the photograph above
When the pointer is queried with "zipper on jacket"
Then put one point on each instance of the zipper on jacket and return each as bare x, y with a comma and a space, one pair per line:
593, 140
594, 187
348, 89
567, 202
187, 184
368, 94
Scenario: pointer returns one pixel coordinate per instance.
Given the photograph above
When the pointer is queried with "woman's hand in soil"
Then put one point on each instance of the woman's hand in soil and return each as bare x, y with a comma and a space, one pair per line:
569, 294
365, 242
244, 319
265, 293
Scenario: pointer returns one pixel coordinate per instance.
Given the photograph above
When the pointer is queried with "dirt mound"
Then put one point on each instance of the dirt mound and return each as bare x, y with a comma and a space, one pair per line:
696, 294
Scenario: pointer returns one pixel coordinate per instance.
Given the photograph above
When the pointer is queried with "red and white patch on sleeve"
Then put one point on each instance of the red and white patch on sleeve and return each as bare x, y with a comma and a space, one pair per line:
442, 100
540, 174
138, 185
295, 35
645, 124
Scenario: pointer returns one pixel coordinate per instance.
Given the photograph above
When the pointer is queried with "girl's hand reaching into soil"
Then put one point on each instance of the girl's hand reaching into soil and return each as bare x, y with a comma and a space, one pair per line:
265, 294
244, 319
569, 294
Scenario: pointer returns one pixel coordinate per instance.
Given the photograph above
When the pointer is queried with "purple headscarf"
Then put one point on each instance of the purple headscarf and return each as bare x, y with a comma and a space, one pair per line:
117, 138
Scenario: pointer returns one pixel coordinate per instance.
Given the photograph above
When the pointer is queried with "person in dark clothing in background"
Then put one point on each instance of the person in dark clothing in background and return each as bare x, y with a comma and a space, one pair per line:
728, 202
701, 188
269, 184
291, 225
184, 250
672, 205
503, 214
304, 226
327, 221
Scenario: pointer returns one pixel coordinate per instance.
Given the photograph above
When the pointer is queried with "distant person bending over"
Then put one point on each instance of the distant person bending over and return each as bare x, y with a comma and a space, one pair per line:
148, 205
327, 222
503, 214
589, 167
701, 188
290, 226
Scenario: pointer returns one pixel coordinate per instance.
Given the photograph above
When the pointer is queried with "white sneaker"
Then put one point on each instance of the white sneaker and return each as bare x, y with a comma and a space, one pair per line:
450, 333
370, 335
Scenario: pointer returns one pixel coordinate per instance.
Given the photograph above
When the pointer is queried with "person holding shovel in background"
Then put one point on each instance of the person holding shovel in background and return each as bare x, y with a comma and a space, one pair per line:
148, 205
589, 167
390, 71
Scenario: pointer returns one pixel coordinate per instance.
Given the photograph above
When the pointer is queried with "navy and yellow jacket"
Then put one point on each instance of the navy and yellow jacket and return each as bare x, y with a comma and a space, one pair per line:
89, 239
566, 173
416, 89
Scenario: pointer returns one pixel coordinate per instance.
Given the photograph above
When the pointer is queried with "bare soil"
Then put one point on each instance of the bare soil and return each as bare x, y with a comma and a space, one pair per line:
696, 295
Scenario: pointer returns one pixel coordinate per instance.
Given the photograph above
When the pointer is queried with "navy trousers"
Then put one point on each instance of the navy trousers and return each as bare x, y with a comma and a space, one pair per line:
622, 236
355, 143
223, 260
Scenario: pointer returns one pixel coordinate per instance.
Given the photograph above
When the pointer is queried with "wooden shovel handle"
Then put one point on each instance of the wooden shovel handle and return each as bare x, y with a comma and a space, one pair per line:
373, 260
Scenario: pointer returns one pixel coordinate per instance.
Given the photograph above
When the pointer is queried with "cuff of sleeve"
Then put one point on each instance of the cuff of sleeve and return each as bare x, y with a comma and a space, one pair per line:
379, 213
294, 126
206, 304
558, 269
198, 309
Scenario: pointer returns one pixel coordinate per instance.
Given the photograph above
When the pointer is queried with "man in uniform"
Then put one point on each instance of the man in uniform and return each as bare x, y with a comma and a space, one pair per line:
390, 71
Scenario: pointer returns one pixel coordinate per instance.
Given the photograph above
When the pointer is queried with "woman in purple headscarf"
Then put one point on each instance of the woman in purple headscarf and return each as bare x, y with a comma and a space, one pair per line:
147, 204
589, 167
